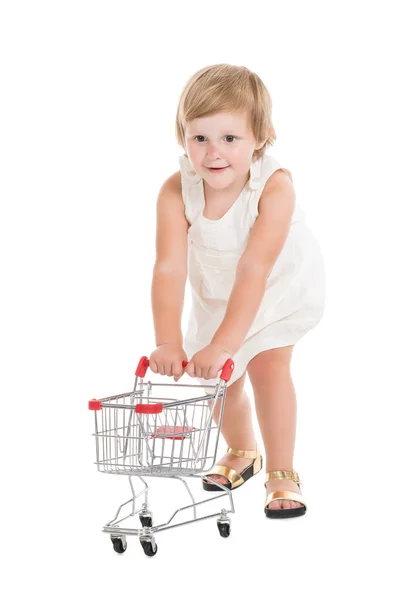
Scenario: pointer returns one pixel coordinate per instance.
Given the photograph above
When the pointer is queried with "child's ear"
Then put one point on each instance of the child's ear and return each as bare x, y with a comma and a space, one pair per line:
270, 137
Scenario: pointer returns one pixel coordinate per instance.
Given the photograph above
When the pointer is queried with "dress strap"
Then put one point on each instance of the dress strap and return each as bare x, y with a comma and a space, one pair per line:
191, 183
263, 170
189, 175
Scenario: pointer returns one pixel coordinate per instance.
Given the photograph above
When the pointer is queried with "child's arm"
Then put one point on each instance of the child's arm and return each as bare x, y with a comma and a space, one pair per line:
265, 243
170, 268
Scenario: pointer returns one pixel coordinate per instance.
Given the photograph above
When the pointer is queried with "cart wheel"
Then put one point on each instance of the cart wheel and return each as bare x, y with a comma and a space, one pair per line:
146, 521
224, 529
149, 546
118, 545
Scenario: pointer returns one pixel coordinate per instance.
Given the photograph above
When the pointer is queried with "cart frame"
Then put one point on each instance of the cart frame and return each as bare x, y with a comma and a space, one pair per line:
135, 437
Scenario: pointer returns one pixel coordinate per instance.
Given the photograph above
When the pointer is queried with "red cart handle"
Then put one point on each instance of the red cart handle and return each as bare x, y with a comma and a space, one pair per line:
226, 371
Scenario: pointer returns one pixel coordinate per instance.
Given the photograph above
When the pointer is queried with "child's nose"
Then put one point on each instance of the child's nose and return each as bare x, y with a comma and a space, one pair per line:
212, 152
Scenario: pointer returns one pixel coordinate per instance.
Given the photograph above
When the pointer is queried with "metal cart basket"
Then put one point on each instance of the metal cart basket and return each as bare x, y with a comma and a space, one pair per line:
137, 434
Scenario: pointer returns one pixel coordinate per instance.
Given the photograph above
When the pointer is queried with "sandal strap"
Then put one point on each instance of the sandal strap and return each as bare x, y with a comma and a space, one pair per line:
244, 453
284, 496
234, 477
293, 475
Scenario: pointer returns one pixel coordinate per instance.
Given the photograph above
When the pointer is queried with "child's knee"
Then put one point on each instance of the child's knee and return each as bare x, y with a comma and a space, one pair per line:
270, 362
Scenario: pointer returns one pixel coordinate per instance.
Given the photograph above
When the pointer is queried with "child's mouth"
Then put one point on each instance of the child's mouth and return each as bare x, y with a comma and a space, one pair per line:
221, 170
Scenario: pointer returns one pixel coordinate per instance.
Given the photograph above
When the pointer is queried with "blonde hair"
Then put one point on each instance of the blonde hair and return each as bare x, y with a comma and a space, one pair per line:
224, 87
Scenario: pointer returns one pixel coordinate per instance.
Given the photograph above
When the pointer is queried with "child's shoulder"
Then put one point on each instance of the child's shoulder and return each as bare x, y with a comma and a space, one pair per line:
280, 177
279, 184
173, 183
275, 174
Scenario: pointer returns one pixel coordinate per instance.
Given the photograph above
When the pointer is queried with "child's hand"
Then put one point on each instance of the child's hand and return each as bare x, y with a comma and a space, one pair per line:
167, 360
207, 362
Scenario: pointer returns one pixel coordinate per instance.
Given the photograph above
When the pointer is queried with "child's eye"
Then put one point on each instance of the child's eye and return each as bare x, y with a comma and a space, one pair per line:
227, 136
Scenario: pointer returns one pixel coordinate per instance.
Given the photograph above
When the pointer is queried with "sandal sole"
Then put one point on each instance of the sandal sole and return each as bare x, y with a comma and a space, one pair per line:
285, 513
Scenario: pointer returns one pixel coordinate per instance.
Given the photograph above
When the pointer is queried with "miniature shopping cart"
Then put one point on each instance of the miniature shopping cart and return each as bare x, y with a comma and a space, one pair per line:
137, 434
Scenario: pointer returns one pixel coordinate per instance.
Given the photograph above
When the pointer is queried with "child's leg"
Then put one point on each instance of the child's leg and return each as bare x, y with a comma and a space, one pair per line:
276, 410
236, 427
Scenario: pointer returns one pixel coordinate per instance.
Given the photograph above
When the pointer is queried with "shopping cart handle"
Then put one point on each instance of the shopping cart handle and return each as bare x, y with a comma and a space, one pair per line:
226, 371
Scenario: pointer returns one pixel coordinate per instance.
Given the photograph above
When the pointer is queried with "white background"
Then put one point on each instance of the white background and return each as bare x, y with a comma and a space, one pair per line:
88, 103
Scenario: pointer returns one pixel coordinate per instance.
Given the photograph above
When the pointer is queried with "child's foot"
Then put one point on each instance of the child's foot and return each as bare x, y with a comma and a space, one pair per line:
232, 462
283, 485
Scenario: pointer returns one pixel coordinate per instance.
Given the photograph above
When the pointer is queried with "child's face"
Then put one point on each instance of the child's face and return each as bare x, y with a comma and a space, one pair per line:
221, 140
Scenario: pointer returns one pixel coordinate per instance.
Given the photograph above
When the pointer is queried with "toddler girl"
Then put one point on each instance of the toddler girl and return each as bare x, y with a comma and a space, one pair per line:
229, 221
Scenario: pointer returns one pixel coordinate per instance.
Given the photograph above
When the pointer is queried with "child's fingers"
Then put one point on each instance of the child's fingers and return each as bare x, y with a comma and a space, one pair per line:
190, 369
153, 366
177, 370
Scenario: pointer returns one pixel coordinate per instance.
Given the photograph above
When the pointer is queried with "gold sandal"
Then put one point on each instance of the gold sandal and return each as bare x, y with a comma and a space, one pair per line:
235, 479
283, 513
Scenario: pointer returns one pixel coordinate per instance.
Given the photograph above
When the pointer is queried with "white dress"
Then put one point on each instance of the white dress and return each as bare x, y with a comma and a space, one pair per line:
293, 302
